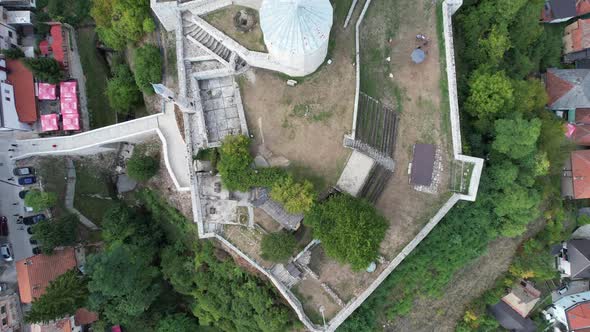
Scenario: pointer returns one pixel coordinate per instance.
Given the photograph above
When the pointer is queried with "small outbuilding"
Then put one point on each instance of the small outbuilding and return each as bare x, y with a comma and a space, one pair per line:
422, 166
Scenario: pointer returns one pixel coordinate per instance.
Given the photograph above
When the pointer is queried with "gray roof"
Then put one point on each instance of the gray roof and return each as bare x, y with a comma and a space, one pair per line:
510, 319
563, 8
578, 252
579, 95
275, 210
423, 164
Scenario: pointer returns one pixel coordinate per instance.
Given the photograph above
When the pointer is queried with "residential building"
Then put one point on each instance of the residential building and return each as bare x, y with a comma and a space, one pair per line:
570, 313
9, 117
35, 273
10, 312
18, 4
512, 310
8, 34
21, 79
575, 182
557, 11
576, 41
568, 89
573, 259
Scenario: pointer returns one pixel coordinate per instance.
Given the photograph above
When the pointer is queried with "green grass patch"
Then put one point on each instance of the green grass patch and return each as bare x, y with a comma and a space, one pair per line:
52, 176
96, 72
341, 8
301, 172
94, 193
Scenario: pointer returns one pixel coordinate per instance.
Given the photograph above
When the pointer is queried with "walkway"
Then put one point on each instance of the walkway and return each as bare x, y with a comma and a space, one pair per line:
71, 193
77, 73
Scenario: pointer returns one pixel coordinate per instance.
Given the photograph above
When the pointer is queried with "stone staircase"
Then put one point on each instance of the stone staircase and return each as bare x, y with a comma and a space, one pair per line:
368, 150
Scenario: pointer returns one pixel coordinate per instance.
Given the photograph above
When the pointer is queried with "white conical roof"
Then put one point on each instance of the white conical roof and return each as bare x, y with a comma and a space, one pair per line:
298, 27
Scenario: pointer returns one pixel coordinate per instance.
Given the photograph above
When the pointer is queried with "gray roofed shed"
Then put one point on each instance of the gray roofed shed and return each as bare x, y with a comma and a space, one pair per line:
578, 252
423, 164
576, 97
510, 319
563, 8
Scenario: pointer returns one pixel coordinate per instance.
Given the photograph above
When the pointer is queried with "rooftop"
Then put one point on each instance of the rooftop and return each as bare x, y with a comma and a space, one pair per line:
423, 164
35, 273
24, 91
581, 173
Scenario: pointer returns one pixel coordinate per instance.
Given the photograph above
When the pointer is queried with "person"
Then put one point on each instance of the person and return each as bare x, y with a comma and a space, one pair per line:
54, 145
15, 145
11, 150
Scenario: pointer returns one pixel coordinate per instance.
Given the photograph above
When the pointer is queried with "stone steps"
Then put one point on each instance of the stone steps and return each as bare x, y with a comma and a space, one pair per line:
368, 150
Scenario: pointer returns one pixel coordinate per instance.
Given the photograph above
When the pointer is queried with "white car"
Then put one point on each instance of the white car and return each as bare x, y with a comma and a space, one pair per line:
6, 252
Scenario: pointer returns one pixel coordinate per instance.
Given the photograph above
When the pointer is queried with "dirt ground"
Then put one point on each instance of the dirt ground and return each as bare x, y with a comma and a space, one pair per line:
389, 31
313, 296
224, 21
305, 124
469, 283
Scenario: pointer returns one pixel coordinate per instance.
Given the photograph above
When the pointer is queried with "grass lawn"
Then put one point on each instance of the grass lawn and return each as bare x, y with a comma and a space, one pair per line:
93, 195
52, 174
96, 72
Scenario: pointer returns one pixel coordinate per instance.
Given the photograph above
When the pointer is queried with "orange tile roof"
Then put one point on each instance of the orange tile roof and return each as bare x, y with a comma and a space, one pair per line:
35, 273
579, 316
556, 86
582, 115
24, 91
581, 173
84, 316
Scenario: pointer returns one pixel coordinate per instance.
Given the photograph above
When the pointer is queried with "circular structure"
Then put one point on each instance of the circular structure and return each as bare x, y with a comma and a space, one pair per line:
296, 33
418, 55
244, 20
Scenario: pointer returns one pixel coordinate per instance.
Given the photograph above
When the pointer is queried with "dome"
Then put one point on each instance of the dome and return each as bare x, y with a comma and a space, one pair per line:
296, 27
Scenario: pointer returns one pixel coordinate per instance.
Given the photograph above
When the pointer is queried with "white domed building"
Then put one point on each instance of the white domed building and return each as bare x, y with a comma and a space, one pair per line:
297, 33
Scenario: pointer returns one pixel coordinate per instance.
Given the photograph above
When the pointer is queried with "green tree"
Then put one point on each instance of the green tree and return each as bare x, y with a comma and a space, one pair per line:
490, 94
278, 247
123, 282
142, 167
40, 200
583, 220
56, 233
516, 137
13, 53
234, 163
503, 174
45, 69
495, 44
62, 297
122, 91
119, 22
296, 197
350, 229
177, 323
148, 67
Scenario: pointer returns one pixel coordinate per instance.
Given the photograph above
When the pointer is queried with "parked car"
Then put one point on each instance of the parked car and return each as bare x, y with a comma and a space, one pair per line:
31, 220
22, 194
3, 226
36, 251
22, 171
6, 252
3, 286
30, 230
27, 180
33, 241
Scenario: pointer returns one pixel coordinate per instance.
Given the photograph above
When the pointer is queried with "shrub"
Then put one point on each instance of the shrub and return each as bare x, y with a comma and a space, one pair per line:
120, 21
296, 197
40, 200
45, 69
277, 247
148, 67
350, 229
56, 233
141, 167
13, 53
122, 91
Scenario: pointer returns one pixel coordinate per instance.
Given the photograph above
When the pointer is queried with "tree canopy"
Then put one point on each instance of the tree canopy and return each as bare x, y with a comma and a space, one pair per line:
148, 67
177, 323
62, 297
142, 167
58, 232
278, 247
119, 22
122, 91
40, 200
45, 69
297, 197
350, 229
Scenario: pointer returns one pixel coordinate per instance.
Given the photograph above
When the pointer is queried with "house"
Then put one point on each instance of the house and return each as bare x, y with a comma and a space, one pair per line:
568, 89
570, 313
575, 182
35, 273
512, 310
56, 45
572, 260
19, 4
8, 34
576, 41
10, 312
9, 117
21, 80
557, 11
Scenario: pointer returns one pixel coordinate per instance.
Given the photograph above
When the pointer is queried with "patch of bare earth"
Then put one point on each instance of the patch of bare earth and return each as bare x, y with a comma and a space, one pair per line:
223, 20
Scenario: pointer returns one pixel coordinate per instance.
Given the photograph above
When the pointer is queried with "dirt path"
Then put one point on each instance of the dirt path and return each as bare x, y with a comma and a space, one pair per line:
469, 283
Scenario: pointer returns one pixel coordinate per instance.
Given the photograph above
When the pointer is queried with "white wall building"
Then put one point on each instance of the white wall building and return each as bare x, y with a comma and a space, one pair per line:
30, 4
570, 313
8, 115
297, 32
8, 35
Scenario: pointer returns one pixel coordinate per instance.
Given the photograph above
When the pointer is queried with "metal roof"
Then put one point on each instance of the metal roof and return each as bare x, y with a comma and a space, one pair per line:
296, 26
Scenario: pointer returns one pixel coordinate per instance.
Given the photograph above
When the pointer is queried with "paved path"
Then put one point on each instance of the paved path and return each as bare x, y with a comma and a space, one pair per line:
71, 194
77, 73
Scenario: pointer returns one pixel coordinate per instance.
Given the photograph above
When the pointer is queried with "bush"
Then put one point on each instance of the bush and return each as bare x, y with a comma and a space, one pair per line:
278, 247
56, 233
148, 67
13, 53
141, 167
119, 22
122, 91
40, 200
296, 197
45, 69
350, 229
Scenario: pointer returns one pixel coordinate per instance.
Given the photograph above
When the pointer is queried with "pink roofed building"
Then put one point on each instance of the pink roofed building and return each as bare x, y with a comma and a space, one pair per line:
46, 91
49, 122
71, 121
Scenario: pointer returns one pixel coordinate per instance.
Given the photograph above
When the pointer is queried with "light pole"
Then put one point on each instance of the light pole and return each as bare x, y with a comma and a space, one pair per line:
322, 309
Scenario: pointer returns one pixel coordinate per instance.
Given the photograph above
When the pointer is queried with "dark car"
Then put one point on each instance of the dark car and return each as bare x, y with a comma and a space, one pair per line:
30, 230
31, 220
3, 226
33, 241
22, 194
36, 251
22, 171
27, 180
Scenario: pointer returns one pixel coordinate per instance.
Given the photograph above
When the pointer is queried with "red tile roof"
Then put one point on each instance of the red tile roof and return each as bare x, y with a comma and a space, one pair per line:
58, 42
556, 87
24, 91
35, 273
83, 317
581, 135
577, 36
582, 115
581, 173
579, 317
